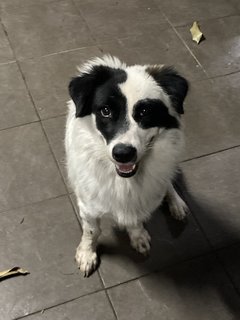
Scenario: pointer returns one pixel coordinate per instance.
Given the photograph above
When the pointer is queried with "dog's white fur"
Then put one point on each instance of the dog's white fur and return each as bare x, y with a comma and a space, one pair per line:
92, 174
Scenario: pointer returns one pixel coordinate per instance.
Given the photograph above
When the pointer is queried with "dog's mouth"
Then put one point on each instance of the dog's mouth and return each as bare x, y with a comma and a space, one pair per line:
126, 170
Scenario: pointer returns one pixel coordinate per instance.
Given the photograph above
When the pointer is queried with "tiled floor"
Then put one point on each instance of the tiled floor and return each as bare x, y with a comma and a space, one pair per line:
193, 272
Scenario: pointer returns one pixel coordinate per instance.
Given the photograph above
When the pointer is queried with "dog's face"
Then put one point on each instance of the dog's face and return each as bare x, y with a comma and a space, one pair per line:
130, 106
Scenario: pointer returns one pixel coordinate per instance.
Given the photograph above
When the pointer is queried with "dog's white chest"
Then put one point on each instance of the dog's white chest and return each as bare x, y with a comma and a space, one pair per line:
101, 191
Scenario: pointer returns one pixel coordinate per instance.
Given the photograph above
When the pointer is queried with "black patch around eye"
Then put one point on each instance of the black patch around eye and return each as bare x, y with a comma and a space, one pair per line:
151, 113
172, 83
110, 95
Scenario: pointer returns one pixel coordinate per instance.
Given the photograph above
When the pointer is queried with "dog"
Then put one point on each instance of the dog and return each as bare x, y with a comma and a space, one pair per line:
123, 144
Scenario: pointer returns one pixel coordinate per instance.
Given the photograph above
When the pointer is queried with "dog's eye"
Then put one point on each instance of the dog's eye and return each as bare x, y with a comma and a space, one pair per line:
144, 111
106, 112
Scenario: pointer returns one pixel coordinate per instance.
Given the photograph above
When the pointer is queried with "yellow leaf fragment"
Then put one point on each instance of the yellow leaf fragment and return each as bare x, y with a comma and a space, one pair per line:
12, 272
197, 35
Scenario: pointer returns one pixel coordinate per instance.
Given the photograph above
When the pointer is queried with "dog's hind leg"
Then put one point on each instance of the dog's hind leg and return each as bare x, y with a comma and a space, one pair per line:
178, 208
139, 238
86, 255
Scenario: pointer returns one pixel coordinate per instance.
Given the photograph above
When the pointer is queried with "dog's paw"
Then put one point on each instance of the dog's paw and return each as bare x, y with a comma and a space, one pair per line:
141, 242
178, 209
87, 261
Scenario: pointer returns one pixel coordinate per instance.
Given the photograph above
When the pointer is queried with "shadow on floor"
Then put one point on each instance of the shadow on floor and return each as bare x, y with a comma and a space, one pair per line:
201, 279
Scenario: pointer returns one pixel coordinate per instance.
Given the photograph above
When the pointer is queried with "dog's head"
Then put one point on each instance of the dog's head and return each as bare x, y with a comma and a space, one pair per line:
130, 106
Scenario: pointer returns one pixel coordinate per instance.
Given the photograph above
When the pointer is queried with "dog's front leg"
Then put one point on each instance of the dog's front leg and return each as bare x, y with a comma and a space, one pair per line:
139, 238
86, 255
178, 208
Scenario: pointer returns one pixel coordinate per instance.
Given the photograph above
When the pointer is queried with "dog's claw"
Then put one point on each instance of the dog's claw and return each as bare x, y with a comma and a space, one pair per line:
87, 261
141, 243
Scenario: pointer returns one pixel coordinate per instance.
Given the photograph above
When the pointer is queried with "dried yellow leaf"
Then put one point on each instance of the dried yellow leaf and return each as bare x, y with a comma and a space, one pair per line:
197, 35
13, 271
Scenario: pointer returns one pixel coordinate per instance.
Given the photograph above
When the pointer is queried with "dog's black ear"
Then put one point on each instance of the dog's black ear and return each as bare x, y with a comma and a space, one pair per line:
172, 83
80, 92
83, 87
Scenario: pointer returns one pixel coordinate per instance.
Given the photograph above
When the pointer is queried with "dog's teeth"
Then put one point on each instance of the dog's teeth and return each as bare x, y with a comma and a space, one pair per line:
123, 167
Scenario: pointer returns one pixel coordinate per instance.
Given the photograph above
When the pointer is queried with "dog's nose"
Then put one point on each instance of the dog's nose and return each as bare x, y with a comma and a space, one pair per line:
124, 153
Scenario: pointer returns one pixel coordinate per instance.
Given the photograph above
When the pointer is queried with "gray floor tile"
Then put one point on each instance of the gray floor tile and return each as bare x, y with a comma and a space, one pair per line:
211, 116
55, 130
16, 106
237, 5
28, 172
231, 260
42, 239
219, 53
229, 89
116, 20
214, 196
43, 28
95, 307
187, 11
118, 48
7, 3
195, 290
48, 79
6, 53
117, 3
154, 49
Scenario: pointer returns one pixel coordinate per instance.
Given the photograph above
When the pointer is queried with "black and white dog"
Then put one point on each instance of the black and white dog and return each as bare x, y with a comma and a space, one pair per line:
123, 144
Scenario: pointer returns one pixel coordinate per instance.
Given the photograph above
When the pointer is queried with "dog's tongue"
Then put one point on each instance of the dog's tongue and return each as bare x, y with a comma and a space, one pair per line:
125, 167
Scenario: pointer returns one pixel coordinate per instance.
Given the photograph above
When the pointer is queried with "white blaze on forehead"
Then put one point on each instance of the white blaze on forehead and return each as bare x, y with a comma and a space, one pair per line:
139, 86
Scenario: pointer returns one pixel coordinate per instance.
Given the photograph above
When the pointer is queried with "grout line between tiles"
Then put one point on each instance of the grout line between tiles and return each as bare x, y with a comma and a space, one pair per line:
97, 44
111, 304
9, 43
8, 62
228, 274
34, 121
55, 53
19, 125
82, 16
106, 293
33, 203
60, 115
58, 304
210, 153
202, 20
223, 75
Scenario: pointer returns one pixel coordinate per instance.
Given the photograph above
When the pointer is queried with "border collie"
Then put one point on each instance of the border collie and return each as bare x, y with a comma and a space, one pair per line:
123, 143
